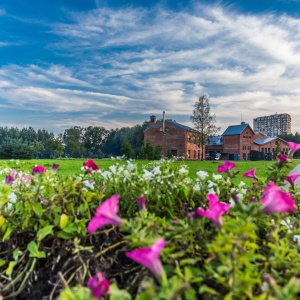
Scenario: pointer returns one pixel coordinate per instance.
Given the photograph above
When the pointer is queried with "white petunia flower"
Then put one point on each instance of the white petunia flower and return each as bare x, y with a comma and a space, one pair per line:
217, 176
183, 170
147, 175
296, 238
106, 174
130, 166
113, 169
156, 170
241, 184
197, 187
202, 174
89, 183
211, 191
211, 184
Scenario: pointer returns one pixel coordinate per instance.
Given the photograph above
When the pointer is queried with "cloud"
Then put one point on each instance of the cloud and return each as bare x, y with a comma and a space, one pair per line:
133, 61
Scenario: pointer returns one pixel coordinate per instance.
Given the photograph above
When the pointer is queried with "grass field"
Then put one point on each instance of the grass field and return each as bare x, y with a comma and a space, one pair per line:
73, 166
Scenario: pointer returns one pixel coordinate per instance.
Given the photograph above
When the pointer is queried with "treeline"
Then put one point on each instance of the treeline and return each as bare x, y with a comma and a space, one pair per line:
76, 142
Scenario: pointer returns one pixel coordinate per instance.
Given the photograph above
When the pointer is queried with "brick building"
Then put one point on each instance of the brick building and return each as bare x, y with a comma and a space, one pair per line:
178, 139
241, 139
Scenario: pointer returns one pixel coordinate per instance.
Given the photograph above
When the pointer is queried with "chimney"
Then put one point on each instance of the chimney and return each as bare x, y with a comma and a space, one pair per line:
164, 123
152, 119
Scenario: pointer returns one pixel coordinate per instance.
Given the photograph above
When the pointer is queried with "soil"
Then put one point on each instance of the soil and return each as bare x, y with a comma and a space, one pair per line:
103, 251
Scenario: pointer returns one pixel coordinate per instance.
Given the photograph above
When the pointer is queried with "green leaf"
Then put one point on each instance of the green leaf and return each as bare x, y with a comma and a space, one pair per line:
116, 294
2, 262
34, 251
42, 233
2, 221
7, 233
38, 209
65, 235
10, 268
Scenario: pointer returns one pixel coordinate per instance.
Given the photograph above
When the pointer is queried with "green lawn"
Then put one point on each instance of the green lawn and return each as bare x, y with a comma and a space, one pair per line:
73, 166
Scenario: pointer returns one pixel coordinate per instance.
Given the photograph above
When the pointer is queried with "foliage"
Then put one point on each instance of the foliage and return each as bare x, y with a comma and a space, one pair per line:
126, 149
203, 121
45, 246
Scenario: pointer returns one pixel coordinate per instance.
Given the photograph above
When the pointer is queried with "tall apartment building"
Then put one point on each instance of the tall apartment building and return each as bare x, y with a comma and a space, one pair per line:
273, 125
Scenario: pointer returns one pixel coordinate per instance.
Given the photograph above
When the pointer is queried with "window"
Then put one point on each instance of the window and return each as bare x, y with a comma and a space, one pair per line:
194, 153
189, 139
189, 153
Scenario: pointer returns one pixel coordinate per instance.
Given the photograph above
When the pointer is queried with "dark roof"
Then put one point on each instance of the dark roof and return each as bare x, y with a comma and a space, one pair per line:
235, 129
184, 127
181, 126
261, 141
215, 140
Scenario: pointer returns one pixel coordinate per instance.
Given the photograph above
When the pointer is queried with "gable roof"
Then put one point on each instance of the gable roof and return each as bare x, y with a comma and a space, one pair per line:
181, 126
261, 141
236, 129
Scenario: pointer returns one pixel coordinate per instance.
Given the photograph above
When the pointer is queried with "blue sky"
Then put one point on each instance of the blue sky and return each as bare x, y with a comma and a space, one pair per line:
112, 63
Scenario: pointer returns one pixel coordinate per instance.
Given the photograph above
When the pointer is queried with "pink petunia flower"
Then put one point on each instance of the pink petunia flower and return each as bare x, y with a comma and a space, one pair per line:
9, 179
276, 200
99, 285
282, 159
291, 179
149, 257
38, 169
215, 211
250, 174
106, 214
142, 203
55, 167
226, 167
90, 166
293, 147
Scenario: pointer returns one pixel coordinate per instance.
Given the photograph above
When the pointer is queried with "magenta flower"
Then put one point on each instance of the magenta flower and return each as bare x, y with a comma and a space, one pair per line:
215, 211
90, 166
291, 179
149, 257
106, 214
142, 203
55, 167
9, 179
250, 174
38, 169
282, 159
226, 167
276, 200
99, 285
293, 147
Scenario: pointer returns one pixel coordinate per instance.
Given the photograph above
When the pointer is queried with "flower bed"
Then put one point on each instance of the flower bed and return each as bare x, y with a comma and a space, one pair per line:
150, 234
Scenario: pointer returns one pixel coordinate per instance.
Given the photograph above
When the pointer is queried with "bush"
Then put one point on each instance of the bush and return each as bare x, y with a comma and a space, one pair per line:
93, 235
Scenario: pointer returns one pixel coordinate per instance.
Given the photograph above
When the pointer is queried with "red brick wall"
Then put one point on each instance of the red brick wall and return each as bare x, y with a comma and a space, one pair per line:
175, 139
271, 146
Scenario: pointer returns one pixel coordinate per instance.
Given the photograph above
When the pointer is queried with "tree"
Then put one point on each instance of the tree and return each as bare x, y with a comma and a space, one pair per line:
73, 140
93, 140
126, 149
203, 121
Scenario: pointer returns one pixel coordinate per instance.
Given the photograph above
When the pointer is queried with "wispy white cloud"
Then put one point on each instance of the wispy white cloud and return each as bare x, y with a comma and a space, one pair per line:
137, 61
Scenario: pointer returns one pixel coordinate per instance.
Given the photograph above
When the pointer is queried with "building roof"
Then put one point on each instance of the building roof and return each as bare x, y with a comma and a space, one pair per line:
261, 141
215, 140
181, 126
235, 129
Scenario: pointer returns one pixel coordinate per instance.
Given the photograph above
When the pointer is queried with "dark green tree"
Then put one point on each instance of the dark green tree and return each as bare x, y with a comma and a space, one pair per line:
126, 149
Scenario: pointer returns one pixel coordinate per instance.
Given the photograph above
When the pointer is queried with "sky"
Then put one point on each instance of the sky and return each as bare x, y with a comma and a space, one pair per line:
113, 63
